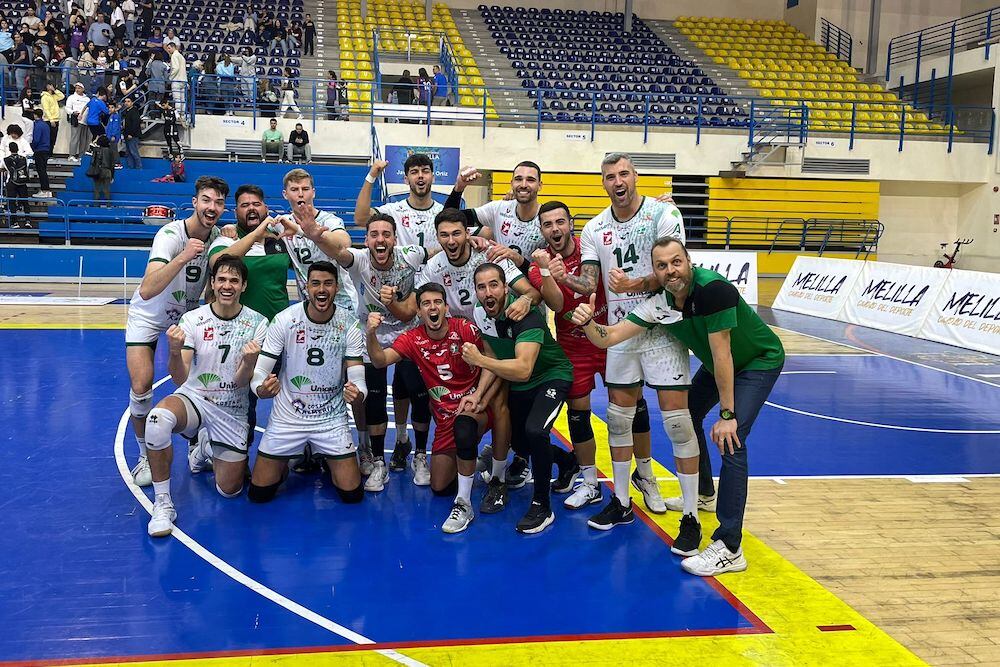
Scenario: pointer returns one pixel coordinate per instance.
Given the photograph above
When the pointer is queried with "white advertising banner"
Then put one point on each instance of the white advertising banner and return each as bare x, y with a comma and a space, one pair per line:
739, 268
893, 297
967, 312
818, 286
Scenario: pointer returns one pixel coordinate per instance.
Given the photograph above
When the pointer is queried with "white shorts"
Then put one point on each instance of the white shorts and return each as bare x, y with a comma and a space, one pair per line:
138, 332
285, 441
666, 366
227, 433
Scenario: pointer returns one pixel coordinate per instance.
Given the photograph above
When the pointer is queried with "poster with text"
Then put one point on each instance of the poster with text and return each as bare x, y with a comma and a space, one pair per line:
446, 161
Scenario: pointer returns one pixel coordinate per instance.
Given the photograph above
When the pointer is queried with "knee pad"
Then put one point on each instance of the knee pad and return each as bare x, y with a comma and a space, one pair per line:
466, 432
160, 425
580, 429
620, 420
351, 496
641, 422
228, 495
139, 404
449, 490
680, 430
262, 494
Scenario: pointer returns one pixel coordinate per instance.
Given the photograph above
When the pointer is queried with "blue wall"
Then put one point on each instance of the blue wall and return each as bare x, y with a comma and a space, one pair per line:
40, 261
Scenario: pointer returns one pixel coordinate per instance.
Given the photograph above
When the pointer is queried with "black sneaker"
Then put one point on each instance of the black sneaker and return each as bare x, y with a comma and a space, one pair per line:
564, 482
517, 472
398, 461
537, 519
495, 499
688, 538
612, 515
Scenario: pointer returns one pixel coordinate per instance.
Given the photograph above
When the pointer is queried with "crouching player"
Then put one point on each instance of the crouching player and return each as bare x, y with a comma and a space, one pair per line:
213, 350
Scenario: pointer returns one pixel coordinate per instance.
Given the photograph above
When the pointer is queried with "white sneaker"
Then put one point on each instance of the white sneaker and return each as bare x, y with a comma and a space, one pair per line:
421, 473
366, 459
715, 559
380, 475
585, 494
162, 522
460, 517
200, 457
141, 474
650, 493
705, 503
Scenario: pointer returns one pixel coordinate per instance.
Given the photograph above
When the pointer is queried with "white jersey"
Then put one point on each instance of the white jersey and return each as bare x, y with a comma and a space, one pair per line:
184, 291
627, 244
458, 282
522, 236
218, 347
312, 372
414, 226
304, 252
406, 261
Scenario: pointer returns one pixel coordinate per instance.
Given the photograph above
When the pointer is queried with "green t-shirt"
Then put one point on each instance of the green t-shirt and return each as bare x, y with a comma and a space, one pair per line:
503, 335
714, 304
267, 274
273, 135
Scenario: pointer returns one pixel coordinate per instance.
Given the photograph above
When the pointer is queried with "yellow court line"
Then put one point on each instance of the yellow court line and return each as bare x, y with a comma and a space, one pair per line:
60, 325
787, 600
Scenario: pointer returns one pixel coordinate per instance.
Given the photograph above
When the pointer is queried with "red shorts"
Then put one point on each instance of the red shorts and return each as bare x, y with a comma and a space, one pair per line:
585, 366
444, 433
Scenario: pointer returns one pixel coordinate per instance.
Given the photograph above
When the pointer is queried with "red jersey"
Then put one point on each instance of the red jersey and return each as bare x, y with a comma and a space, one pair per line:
569, 335
447, 376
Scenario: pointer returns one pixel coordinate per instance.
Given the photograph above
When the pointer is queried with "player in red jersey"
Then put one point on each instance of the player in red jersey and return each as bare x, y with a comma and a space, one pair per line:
561, 258
436, 348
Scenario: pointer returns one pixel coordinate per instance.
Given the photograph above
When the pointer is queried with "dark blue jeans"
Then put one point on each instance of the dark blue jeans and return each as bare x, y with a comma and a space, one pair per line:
751, 389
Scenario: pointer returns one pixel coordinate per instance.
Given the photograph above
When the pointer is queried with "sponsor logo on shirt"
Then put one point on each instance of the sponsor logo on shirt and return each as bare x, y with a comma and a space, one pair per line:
609, 237
208, 334
447, 280
300, 336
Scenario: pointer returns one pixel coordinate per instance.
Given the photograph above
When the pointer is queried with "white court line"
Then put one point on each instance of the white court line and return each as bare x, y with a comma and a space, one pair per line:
989, 375
231, 571
893, 427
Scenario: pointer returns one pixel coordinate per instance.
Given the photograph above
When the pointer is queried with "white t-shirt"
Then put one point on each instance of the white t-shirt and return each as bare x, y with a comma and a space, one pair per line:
304, 252
458, 280
523, 236
414, 226
218, 347
406, 261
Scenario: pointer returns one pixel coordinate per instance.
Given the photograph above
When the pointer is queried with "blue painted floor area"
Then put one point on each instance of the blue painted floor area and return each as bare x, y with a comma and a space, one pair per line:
84, 580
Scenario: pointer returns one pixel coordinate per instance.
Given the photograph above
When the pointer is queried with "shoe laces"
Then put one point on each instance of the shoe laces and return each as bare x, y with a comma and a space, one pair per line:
456, 511
713, 550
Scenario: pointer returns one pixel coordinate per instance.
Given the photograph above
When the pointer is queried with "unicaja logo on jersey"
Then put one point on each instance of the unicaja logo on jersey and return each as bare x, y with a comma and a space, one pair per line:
178, 295
437, 393
300, 381
208, 378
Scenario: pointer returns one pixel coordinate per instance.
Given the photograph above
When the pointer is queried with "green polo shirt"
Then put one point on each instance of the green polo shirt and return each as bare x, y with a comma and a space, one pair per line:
503, 335
267, 273
273, 135
714, 304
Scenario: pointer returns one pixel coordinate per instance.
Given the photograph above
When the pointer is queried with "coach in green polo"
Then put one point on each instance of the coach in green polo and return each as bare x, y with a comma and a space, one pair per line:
741, 360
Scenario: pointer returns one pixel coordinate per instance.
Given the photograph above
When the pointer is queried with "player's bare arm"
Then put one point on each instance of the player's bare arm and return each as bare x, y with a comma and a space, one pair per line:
517, 369
355, 387
603, 335
244, 370
584, 284
551, 294
179, 362
242, 246
363, 205
724, 430
403, 310
380, 356
620, 283
158, 275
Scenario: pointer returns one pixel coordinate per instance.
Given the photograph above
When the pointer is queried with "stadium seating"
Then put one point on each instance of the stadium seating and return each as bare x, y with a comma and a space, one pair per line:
786, 67
579, 64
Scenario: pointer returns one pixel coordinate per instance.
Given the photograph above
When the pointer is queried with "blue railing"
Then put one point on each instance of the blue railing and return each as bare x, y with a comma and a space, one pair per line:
975, 30
836, 40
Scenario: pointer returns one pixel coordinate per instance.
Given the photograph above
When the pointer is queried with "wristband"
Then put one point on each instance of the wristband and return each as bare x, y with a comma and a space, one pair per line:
370, 178
545, 273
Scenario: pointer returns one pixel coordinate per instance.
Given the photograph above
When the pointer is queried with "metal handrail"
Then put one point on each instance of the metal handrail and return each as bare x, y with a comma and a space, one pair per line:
943, 38
836, 40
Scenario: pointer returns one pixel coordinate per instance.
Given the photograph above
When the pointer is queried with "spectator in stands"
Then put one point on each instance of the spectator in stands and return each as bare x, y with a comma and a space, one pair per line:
44, 38
58, 65
132, 131
41, 144
309, 37
442, 94
89, 10
294, 40
424, 87
227, 83
15, 134
288, 95
15, 166
39, 63
100, 32
78, 137
250, 22
155, 41
128, 9
96, 113
27, 103
6, 40
172, 38
21, 61
50, 106
267, 99
178, 77
171, 128
272, 141
146, 14
403, 90
279, 38
209, 87
232, 26
118, 23
127, 85
298, 145
158, 72
114, 131
102, 169
77, 36
246, 67
30, 21
333, 86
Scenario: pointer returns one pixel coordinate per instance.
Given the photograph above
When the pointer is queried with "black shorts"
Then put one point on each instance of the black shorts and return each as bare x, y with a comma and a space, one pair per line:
406, 384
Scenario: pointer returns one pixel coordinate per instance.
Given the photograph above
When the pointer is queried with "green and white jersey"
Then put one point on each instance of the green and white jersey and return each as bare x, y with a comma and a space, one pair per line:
626, 244
304, 252
218, 347
457, 280
523, 236
312, 372
414, 226
406, 261
184, 291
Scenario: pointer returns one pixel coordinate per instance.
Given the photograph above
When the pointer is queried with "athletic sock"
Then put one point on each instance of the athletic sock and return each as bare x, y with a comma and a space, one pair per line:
401, 435
689, 492
500, 469
621, 471
420, 439
378, 446
465, 488
363, 439
645, 467
589, 474
142, 446
161, 487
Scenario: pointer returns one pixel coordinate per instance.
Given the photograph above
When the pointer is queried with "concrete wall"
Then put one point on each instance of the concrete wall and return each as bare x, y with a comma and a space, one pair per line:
917, 219
653, 9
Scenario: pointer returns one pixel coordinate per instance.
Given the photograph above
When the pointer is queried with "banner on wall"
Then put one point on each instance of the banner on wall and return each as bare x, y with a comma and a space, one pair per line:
739, 268
966, 312
818, 286
446, 161
893, 297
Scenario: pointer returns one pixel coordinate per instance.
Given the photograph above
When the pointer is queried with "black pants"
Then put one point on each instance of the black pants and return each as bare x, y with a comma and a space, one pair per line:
309, 48
532, 413
96, 130
42, 167
406, 384
54, 132
17, 191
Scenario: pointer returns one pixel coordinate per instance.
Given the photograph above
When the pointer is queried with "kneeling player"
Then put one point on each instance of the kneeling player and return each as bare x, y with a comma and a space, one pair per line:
212, 354
318, 341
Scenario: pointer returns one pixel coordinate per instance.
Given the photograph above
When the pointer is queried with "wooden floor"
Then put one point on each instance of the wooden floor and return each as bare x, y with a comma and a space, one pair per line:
920, 560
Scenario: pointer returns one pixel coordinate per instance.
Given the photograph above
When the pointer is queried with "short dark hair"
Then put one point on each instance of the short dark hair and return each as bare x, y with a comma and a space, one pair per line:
378, 216
14, 128
667, 240
553, 206
233, 263
211, 183
249, 188
324, 266
436, 288
449, 215
13, 147
528, 163
489, 266
39, 114
417, 160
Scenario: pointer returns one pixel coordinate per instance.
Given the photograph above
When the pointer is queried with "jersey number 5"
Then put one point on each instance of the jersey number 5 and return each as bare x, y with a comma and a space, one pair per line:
444, 371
